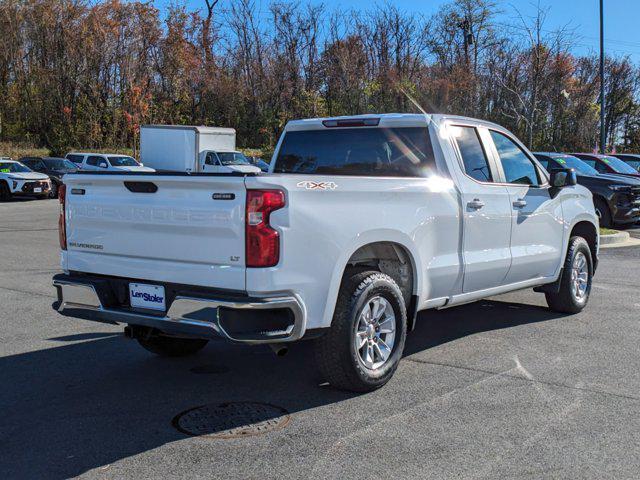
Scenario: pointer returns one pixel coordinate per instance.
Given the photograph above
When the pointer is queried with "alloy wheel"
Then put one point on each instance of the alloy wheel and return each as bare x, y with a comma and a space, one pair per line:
375, 333
580, 277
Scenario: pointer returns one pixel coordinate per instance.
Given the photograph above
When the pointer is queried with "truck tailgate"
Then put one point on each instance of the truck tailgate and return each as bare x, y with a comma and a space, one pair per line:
188, 231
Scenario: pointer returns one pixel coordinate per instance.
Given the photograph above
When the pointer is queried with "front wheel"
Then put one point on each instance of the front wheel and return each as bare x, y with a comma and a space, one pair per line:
362, 349
603, 213
53, 193
577, 275
5, 193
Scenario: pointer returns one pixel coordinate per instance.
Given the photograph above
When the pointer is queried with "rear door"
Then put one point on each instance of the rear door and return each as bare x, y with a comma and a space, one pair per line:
536, 218
486, 212
178, 229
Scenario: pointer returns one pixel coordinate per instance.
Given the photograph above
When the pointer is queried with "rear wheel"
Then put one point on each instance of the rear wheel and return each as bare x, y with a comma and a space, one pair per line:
5, 193
168, 346
575, 283
603, 212
362, 349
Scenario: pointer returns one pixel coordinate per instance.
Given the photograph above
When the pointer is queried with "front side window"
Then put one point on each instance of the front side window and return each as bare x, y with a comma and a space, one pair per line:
395, 152
518, 167
475, 160
96, 161
210, 159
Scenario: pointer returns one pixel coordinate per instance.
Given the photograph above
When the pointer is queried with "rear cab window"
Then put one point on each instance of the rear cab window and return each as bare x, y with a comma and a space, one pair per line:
378, 151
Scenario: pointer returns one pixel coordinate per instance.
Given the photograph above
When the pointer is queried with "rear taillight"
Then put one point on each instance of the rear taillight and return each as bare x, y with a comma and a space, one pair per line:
62, 230
262, 242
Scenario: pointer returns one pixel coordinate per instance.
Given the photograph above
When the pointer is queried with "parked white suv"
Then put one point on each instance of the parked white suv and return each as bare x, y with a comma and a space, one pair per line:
16, 179
99, 162
361, 223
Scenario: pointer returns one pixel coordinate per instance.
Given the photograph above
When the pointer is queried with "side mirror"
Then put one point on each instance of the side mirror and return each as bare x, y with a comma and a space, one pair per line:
103, 165
562, 178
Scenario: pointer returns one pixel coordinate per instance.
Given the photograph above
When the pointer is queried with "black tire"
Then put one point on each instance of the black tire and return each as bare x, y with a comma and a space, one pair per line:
566, 300
167, 346
53, 193
603, 212
5, 193
335, 353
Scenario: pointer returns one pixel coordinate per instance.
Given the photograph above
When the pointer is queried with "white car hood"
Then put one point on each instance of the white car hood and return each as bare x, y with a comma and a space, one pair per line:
243, 168
134, 169
28, 176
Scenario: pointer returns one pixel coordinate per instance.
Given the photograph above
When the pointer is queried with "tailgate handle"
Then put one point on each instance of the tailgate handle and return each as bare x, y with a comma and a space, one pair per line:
141, 187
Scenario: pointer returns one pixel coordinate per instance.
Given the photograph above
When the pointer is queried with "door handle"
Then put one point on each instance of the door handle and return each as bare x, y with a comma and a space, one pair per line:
475, 204
520, 203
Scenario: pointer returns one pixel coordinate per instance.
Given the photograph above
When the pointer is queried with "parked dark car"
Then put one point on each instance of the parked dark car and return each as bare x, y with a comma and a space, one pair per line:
616, 197
630, 159
607, 164
54, 167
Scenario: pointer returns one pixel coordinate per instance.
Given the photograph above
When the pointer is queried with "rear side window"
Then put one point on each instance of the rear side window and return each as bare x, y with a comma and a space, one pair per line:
394, 152
472, 153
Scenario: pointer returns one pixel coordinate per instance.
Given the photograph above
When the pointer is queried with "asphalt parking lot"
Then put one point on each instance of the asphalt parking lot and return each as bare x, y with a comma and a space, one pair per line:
501, 388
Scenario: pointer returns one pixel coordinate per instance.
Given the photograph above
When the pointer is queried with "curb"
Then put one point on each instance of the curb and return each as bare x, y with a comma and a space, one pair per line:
614, 238
620, 239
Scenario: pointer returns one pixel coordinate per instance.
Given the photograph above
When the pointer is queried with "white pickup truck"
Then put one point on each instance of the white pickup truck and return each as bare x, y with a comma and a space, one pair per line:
360, 223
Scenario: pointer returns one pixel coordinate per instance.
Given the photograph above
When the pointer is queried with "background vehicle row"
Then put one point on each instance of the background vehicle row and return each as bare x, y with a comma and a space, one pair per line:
616, 197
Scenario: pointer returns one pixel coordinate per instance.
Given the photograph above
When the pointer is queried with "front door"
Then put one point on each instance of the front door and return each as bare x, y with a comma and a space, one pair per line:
486, 213
536, 217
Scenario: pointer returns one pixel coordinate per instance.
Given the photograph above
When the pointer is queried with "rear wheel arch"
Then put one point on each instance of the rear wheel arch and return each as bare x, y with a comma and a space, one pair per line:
393, 259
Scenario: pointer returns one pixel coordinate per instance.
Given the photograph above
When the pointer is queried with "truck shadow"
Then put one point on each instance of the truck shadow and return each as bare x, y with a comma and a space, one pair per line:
85, 405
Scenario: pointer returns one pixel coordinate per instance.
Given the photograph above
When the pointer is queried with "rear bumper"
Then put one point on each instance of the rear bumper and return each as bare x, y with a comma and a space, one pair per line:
193, 316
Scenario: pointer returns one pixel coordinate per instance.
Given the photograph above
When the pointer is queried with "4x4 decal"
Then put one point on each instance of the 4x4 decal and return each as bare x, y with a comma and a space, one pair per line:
310, 185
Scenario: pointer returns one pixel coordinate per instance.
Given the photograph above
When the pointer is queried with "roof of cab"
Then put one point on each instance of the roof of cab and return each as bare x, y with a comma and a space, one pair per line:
388, 120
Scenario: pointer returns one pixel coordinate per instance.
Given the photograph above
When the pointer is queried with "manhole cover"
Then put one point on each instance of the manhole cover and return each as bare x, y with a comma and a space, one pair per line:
209, 369
231, 419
